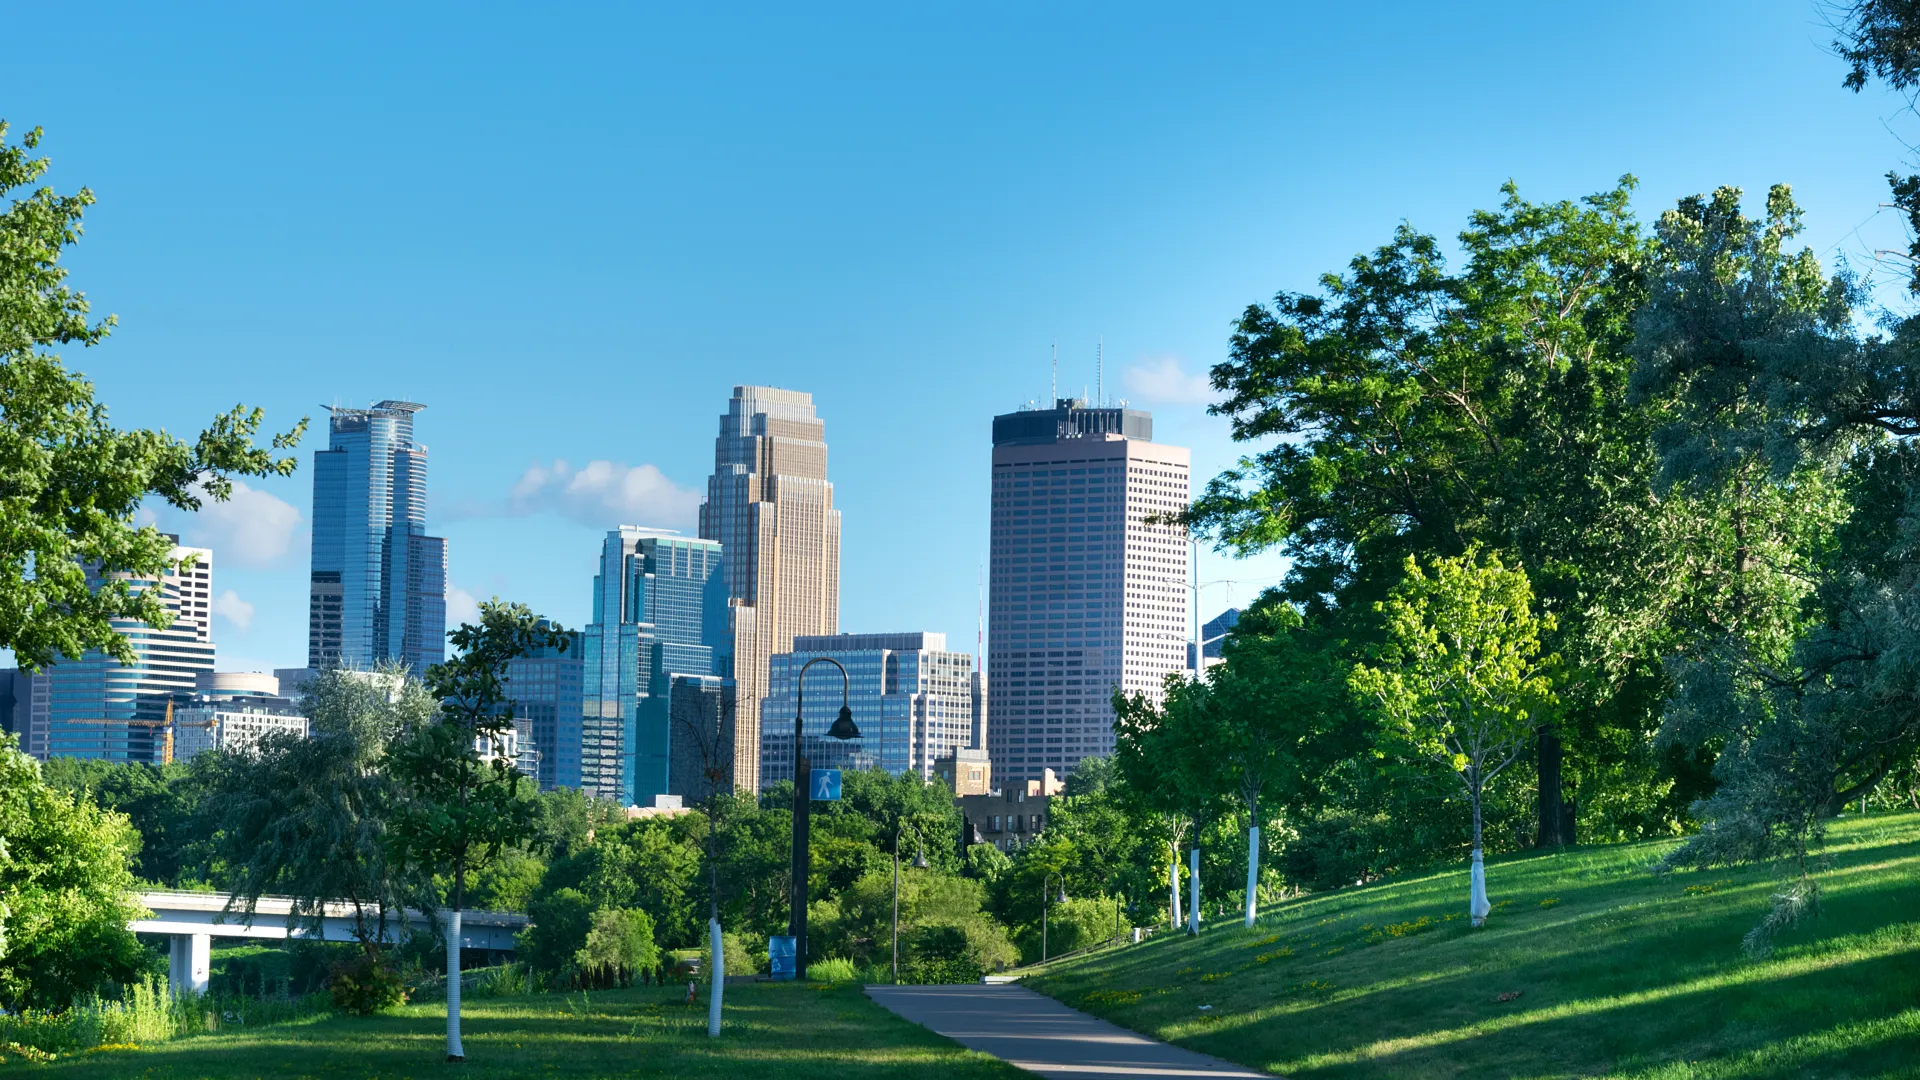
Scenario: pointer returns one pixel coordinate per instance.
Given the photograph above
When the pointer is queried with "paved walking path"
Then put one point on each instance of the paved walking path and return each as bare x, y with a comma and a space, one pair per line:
1041, 1035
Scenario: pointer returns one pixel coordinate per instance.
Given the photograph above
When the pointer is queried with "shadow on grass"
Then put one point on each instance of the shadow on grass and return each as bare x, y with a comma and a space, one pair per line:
784, 1032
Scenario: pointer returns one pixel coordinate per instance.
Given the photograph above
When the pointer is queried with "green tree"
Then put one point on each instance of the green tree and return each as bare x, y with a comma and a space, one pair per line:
1461, 680
618, 943
308, 818
1414, 409
66, 893
70, 483
459, 803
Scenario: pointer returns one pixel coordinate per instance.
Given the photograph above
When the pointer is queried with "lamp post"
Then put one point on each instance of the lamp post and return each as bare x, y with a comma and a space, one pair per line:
843, 728
1044, 906
919, 863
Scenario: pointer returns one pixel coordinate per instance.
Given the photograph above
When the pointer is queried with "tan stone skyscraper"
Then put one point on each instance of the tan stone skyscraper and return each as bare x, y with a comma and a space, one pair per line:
771, 507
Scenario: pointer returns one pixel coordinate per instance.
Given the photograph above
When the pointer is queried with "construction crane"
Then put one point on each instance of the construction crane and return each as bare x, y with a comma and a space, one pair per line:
163, 727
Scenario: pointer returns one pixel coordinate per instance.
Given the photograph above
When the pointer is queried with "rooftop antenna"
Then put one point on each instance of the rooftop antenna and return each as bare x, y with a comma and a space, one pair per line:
1100, 370
1053, 394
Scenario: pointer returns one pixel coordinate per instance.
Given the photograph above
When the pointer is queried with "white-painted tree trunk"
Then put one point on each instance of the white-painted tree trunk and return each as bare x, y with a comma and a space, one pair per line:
1477, 905
718, 966
454, 1051
1253, 874
1173, 885
1193, 887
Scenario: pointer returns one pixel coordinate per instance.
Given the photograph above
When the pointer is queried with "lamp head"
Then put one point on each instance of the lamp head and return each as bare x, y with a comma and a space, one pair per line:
1062, 898
843, 725
920, 860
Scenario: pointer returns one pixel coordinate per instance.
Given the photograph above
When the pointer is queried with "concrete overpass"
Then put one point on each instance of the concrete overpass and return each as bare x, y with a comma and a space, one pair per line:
193, 920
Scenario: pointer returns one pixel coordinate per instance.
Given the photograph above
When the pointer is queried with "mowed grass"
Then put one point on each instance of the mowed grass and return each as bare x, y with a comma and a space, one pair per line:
783, 1031
1589, 966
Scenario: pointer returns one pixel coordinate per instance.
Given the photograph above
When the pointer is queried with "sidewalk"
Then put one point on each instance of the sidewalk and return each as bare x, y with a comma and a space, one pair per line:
1040, 1035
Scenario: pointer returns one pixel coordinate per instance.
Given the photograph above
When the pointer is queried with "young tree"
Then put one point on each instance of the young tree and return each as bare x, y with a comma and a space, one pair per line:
1460, 681
459, 801
1165, 757
70, 482
1281, 709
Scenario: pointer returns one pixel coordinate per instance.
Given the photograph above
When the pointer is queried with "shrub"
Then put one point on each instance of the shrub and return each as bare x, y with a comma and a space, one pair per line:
619, 943
1335, 849
943, 971
837, 969
365, 985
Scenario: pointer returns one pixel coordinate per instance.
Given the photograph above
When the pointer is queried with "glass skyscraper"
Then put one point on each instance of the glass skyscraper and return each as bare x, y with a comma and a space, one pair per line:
1086, 595
97, 707
911, 698
659, 611
379, 582
545, 687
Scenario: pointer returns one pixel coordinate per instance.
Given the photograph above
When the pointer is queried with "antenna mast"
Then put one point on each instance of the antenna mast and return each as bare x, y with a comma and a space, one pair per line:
1100, 371
1053, 391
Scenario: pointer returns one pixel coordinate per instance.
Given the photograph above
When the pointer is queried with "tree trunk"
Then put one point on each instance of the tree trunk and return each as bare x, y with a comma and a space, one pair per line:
454, 1050
1193, 888
1552, 799
1477, 904
718, 966
1253, 874
1173, 883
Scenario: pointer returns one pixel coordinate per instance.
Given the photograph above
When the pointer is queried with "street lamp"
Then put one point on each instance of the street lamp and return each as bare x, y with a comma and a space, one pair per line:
919, 863
843, 728
1043, 907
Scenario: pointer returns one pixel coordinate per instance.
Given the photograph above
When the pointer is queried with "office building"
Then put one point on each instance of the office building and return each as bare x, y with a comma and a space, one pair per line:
1085, 594
545, 688
13, 700
378, 591
231, 713
965, 771
96, 707
770, 505
912, 700
1009, 818
700, 734
659, 610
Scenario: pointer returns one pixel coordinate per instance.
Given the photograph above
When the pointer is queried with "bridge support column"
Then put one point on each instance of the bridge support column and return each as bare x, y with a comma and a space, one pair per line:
189, 963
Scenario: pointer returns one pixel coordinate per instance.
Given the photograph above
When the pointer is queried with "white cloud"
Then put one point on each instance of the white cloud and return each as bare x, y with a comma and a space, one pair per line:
461, 607
1166, 381
605, 494
230, 607
253, 528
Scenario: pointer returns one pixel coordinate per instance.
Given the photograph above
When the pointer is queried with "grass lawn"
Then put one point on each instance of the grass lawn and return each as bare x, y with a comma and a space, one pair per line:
1604, 968
771, 1032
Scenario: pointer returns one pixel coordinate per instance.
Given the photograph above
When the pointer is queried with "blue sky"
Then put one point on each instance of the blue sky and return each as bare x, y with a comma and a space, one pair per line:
569, 230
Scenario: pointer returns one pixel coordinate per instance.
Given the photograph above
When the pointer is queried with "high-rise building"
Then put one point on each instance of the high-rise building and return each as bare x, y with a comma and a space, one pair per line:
97, 707
659, 610
911, 698
700, 708
770, 505
545, 688
1086, 594
379, 582
232, 712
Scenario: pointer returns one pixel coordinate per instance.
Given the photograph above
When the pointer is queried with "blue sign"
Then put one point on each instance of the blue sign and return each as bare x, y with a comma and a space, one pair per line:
826, 785
780, 956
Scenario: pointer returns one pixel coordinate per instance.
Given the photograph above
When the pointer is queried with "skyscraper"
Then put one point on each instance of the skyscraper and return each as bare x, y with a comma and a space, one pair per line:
379, 582
912, 700
1086, 595
659, 610
770, 505
545, 687
97, 707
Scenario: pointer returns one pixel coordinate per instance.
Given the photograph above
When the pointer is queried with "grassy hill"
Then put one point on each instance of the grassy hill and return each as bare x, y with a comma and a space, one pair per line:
785, 1031
1589, 966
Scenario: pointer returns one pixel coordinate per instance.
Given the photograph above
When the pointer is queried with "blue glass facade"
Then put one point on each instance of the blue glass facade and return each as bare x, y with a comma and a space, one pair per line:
659, 610
378, 580
97, 707
545, 687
